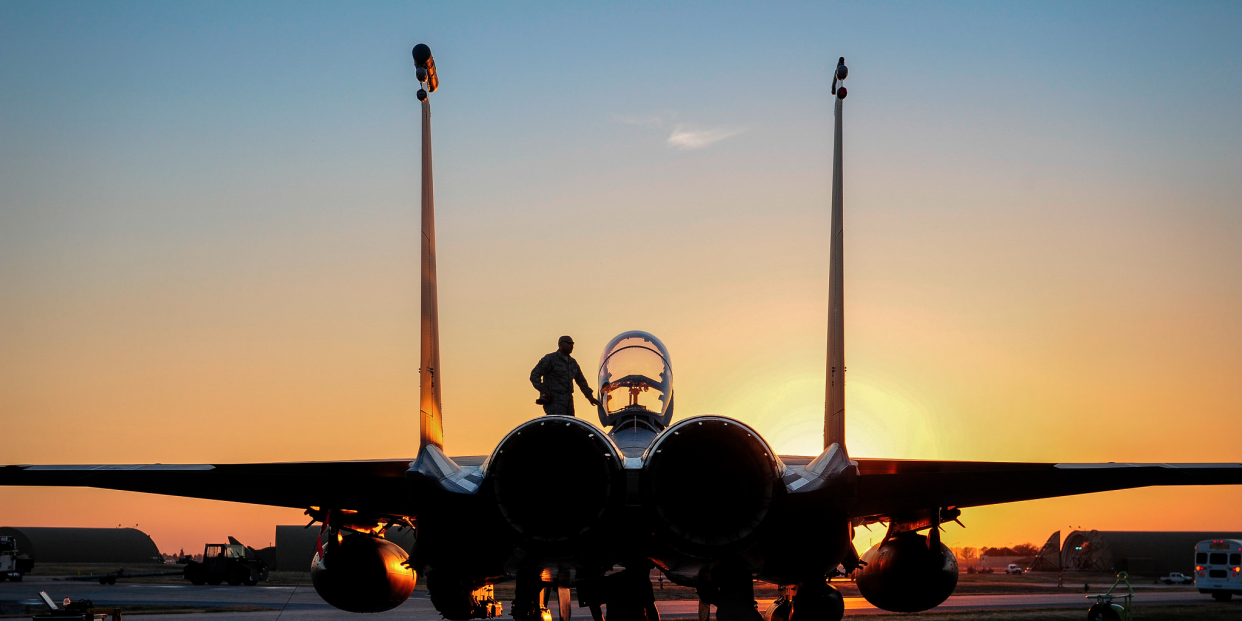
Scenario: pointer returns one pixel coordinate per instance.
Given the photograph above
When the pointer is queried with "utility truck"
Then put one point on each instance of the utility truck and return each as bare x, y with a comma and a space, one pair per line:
226, 562
13, 564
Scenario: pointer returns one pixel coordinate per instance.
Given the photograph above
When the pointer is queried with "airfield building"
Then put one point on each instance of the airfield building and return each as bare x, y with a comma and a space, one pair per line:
84, 545
1141, 553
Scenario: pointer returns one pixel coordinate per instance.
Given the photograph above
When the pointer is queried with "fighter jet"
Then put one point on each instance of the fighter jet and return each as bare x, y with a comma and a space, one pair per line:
705, 499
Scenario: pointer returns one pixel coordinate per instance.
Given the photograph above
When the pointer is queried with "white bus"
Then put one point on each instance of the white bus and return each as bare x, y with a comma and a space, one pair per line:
1218, 567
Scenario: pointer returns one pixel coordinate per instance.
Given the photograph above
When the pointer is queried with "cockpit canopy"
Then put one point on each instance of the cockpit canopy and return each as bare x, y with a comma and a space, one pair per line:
635, 380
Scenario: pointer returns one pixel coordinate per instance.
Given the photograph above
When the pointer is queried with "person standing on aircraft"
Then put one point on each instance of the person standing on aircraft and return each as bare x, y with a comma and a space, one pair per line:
554, 378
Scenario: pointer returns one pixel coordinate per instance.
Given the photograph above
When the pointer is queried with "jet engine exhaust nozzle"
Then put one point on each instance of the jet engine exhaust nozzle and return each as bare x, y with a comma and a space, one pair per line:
711, 481
560, 458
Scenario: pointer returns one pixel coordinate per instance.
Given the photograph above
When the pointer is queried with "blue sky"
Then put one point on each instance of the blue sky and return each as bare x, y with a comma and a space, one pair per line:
208, 217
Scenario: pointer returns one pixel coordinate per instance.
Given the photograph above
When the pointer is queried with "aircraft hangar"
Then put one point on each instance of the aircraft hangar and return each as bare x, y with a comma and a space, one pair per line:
84, 545
1141, 553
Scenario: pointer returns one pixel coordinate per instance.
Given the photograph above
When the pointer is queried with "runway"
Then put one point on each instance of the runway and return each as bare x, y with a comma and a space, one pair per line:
302, 603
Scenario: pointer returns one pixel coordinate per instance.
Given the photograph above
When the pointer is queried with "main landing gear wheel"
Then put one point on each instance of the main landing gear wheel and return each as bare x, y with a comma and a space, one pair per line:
778, 610
450, 596
817, 600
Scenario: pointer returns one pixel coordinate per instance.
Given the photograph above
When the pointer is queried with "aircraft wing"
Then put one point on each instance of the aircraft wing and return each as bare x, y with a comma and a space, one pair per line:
888, 487
369, 486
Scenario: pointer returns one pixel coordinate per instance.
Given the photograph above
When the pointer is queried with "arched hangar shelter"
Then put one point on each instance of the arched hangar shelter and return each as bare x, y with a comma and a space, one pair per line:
1141, 553
84, 545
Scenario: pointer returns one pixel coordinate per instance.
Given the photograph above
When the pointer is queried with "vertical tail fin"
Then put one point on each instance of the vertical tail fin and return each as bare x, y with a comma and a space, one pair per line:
834, 399
431, 424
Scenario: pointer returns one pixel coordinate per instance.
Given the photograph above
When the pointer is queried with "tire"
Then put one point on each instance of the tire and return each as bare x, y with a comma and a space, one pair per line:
1102, 612
452, 601
195, 574
817, 601
778, 610
103, 580
1222, 596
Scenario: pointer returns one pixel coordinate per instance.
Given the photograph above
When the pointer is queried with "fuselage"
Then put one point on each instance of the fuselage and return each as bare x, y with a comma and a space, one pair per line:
560, 497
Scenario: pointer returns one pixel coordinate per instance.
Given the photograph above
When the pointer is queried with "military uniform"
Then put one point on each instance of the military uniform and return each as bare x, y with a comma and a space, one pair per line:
554, 378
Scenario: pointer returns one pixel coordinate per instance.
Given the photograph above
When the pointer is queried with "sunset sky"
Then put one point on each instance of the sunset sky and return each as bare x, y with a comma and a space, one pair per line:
209, 234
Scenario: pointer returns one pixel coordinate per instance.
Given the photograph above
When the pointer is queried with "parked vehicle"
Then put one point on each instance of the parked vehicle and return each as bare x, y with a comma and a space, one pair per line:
1218, 568
13, 564
1177, 578
226, 563
1013, 568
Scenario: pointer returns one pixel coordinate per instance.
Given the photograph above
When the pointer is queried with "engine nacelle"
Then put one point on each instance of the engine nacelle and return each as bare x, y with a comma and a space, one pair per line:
555, 479
903, 575
711, 481
361, 573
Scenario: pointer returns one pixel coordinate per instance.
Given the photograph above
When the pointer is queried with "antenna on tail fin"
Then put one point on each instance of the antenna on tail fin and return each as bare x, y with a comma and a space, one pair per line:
834, 399
431, 423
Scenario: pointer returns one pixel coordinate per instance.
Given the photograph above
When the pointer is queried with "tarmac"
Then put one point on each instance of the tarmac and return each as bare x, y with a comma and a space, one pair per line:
301, 603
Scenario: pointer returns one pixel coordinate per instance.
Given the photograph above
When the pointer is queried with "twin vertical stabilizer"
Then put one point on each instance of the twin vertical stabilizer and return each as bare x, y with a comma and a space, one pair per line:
834, 399
431, 423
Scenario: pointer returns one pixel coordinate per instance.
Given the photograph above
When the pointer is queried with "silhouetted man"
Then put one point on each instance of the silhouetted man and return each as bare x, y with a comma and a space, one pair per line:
554, 378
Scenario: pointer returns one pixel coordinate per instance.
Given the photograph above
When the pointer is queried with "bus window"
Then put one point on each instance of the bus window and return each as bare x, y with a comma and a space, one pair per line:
1218, 558
1201, 558
1235, 559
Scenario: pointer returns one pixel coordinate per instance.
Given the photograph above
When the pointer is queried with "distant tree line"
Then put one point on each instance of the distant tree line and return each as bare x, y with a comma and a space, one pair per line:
1022, 549
970, 556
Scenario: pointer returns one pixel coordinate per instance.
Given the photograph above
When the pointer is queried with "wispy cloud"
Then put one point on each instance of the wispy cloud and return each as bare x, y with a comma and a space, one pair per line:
688, 138
646, 121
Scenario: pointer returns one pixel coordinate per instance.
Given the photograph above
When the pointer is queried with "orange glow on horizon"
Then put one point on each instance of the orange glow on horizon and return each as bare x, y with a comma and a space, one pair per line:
234, 278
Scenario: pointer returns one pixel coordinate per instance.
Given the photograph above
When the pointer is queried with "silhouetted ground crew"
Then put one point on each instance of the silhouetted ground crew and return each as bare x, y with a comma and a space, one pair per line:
554, 378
